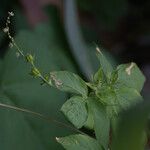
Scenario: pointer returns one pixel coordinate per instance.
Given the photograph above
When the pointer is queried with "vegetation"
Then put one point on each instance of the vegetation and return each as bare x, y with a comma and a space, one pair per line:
94, 105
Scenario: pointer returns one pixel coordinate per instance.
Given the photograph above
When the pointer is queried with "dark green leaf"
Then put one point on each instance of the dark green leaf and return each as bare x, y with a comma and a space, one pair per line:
130, 133
79, 142
69, 82
75, 110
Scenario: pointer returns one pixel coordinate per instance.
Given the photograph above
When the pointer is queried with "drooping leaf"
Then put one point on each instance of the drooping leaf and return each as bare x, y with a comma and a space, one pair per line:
69, 82
101, 123
130, 75
79, 142
75, 110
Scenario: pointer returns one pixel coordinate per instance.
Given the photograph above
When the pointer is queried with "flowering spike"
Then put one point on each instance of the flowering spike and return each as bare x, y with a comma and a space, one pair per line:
11, 14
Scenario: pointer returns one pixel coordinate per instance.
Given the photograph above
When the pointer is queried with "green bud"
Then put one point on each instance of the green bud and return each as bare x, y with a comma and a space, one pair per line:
35, 72
29, 58
47, 78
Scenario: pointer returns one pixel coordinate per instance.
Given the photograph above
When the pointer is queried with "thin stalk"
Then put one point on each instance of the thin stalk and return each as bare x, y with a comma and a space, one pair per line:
41, 116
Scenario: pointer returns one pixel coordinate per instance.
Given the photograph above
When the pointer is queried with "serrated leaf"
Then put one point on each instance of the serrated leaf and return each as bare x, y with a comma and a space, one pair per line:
75, 110
79, 142
101, 123
69, 82
104, 63
130, 75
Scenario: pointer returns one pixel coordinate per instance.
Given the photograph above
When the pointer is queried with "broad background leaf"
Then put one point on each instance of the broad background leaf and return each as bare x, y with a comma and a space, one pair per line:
130, 132
18, 88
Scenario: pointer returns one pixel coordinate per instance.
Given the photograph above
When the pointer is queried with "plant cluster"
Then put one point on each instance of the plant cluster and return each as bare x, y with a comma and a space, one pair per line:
94, 105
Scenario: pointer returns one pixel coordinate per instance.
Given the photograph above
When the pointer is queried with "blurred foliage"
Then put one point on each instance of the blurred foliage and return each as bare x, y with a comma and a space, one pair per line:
107, 12
131, 132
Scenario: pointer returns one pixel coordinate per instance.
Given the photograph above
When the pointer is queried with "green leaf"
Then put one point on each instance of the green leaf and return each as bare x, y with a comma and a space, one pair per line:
104, 63
101, 123
127, 97
118, 98
130, 75
90, 120
130, 133
20, 89
79, 142
75, 110
99, 76
69, 82
106, 94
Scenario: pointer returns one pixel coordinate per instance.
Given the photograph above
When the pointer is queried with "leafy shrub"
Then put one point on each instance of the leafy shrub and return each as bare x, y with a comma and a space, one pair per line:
94, 105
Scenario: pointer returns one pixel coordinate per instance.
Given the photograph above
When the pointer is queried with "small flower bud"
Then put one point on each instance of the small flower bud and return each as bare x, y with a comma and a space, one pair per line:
45, 80
29, 58
17, 54
11, 13
11, 45
35, 72
6, 29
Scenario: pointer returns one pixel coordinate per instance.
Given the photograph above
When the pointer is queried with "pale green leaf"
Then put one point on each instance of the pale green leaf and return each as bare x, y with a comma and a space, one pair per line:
69, 82
79, 142
130, 75
75, 110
